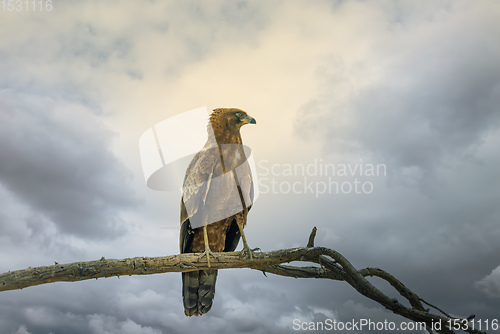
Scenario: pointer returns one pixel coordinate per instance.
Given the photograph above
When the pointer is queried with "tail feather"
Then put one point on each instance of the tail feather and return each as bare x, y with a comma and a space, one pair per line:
198, 291
190, 292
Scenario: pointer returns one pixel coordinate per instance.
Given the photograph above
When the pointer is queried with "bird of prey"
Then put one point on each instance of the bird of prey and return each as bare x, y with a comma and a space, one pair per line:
216, 196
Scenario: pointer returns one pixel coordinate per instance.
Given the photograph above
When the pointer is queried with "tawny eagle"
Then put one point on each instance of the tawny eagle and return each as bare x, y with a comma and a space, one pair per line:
216, 197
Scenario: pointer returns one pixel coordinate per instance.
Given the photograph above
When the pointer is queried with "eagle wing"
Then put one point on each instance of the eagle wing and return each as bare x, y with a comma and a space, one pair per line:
211, 196
194, 192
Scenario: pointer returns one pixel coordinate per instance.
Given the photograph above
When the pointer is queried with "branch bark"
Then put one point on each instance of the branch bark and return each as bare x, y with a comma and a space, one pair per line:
332, 265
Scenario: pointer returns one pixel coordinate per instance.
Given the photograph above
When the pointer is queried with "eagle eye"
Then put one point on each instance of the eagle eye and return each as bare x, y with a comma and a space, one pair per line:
238, 114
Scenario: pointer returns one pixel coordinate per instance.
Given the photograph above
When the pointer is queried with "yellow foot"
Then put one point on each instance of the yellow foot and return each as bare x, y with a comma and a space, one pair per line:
249, 252
208, 253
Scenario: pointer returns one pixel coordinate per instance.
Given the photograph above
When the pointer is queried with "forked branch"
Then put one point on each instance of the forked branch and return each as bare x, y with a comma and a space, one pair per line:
329, 265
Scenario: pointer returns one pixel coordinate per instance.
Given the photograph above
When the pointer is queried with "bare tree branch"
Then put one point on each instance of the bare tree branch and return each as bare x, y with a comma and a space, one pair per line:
332, 265
310, 243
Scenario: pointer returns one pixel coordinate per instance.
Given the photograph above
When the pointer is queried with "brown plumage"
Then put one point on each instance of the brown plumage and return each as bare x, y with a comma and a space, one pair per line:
217, 194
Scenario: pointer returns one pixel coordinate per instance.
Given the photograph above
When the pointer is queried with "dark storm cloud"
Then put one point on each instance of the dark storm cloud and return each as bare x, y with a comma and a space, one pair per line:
434, 94
490, 285
55, 159
43, 310
425, 108
428, 109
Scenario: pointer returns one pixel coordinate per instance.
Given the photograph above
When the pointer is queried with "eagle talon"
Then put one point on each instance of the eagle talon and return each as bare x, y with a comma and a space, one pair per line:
247, 250
208, 253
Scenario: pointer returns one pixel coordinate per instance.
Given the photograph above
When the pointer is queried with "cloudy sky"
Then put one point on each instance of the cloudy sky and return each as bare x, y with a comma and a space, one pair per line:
335, 86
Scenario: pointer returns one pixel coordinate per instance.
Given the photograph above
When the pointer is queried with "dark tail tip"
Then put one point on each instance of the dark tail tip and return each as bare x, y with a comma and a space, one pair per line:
198, 291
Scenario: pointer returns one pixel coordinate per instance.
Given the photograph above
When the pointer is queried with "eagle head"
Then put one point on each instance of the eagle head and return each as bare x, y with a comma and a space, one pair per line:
231, 118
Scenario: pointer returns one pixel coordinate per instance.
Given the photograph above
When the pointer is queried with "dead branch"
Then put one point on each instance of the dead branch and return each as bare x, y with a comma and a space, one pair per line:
332, 265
